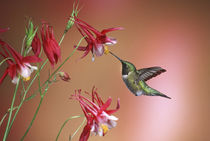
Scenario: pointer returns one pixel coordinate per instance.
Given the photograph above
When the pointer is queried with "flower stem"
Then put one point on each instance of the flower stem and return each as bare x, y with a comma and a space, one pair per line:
46, 83
77, 129
73, 117
42, 97
26, 91
32, 121
10, 112
62, 38
4, 60
65, 60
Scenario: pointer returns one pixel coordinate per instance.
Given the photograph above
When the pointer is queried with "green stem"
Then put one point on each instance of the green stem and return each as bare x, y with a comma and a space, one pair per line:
23, 43
10, 112
40, 89
2, 120
73, 117
5, 115
37, 110
61, 40
23, 91
6, 60
46, 82
34, 117
64, 60
77, 129
26, 91
43, 85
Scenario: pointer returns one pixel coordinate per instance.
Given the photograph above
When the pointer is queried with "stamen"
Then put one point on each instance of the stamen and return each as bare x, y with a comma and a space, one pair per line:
105, 128
106, 50
26, 78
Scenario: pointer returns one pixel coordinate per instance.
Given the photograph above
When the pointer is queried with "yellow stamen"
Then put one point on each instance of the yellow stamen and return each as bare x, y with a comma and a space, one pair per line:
105, 128
26, 78
106, 50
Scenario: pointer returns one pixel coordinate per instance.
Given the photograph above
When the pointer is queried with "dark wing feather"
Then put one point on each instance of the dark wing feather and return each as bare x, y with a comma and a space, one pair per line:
147, 73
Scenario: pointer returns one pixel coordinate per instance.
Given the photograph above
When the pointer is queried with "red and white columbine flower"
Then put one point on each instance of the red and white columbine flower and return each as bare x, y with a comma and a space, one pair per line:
50, 45
95, 43
17, 64
99, 119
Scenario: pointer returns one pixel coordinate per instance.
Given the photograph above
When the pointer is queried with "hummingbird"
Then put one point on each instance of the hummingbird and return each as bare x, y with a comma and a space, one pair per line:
135, 80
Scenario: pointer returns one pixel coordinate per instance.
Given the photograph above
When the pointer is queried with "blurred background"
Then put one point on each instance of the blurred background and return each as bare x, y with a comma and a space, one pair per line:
172, 34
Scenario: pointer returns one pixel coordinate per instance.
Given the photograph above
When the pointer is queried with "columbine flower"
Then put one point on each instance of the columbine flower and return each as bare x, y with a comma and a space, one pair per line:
64, 76
95, 43
36, 45
50, 45
17, 64
99, 119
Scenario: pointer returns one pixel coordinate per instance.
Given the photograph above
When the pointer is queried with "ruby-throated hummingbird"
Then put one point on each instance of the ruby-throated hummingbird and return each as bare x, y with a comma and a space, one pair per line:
135, 79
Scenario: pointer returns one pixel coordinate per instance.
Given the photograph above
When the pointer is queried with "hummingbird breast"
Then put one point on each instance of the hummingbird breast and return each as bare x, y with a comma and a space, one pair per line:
132, 85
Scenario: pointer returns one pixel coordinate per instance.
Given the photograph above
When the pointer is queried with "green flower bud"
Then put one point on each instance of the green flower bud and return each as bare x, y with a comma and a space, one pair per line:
70, 22
30, 33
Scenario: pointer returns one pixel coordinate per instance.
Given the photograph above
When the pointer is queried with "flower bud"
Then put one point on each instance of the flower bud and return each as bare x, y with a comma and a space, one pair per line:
70, 22
64, 76
30, 33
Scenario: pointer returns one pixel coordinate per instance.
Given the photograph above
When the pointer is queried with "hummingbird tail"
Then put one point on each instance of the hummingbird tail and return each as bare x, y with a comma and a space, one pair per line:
160, 94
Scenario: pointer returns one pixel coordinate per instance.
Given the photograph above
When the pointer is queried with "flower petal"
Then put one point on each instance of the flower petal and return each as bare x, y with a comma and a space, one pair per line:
110, 41
106, 104
36, 45
3, 76
115, 110
31, 59
15, 80
81, 48
111, 29
81, 22
14, 54
12, 70
85, 133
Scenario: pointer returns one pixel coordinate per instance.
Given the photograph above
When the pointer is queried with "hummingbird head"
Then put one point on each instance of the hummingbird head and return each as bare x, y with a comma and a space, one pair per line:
126, 66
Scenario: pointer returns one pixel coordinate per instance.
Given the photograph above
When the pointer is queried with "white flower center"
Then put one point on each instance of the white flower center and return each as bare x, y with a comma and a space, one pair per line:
26, 70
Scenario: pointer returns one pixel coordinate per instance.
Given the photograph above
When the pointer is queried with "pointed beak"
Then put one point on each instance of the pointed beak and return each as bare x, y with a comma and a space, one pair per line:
115, 56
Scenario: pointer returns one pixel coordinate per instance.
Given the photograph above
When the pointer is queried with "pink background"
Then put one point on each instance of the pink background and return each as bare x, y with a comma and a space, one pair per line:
172, 34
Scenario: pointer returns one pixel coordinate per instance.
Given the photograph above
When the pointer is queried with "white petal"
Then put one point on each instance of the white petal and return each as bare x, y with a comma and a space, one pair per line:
92, 129
33, 68
25, 72
109, 117
93, 58
15, 80
112, 41
100, 131
99, 50
112, 124
113, 118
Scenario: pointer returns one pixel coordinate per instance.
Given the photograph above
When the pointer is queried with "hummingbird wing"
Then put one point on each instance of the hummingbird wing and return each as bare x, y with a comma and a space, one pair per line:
147, 73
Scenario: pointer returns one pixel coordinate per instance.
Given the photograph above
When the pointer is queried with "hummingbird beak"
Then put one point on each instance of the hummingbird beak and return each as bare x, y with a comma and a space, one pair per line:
115, 56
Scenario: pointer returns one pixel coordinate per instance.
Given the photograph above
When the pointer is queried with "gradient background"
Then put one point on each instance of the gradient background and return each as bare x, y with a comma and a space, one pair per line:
172, 34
